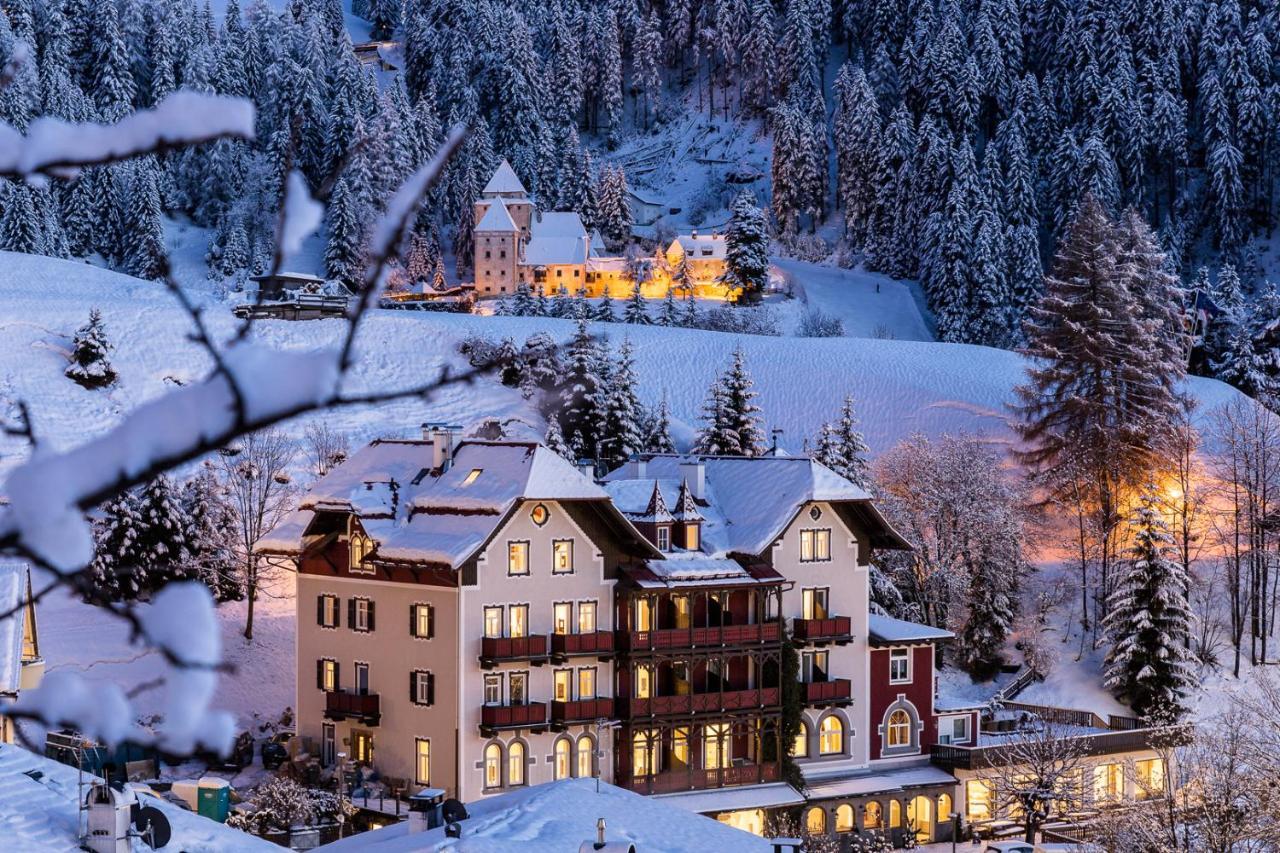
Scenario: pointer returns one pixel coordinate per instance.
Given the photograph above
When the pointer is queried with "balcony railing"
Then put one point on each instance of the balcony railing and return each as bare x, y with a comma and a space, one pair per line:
527, 716
828, 692
594, 643
687, 638
692, 779
699, 703
994, 755
582, 710
532, 648
341, 705
831, 629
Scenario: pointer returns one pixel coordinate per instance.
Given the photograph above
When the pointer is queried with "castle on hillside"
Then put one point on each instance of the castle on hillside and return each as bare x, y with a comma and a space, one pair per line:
517, 243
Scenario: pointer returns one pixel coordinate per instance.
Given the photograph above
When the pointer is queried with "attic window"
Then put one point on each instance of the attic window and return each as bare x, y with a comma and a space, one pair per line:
540, 514
815, 513
471, 478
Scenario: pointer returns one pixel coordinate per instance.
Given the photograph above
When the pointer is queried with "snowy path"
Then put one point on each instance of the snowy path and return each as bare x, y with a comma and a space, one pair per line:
869, 304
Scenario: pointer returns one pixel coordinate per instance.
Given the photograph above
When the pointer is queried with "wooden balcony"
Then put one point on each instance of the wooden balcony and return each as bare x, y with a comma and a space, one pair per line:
598, 643
363, 707
699, 703
532, 715
581, 711
833, 629
495, 650
996, 754
694, 778
692, 638
837, 691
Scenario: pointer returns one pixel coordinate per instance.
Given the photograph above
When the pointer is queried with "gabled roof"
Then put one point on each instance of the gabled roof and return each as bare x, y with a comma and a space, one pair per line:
686, 508
557, 237
701, 245
505, 181
656, 512
496, 218
887, 631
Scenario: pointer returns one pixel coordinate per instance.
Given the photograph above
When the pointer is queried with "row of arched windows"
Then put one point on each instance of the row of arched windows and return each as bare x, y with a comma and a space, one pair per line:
830, 737
571, 758
922, 812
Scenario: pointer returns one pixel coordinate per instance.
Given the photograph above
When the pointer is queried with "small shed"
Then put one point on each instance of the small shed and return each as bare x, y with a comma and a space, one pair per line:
274, 286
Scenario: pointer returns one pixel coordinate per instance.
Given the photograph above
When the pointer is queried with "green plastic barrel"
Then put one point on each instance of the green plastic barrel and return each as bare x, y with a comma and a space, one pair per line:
214, 799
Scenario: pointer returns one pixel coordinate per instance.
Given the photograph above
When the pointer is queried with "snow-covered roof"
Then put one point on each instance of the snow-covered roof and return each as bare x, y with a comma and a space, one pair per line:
885, 630
38, 798
748, 502
497, 218
505, 181
770, 796
879, 783
598, 247
557, 237
13, 585
697, 245
558, 816
415, 514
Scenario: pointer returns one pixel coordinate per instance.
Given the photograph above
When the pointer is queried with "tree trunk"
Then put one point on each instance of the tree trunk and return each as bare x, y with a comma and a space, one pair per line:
251, 590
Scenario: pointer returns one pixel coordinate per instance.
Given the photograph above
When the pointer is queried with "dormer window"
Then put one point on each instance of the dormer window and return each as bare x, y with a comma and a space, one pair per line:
692, 536
664, 538
361, 547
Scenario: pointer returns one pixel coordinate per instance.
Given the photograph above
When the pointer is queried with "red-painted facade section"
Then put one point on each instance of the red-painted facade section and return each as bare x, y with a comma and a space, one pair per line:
919, 692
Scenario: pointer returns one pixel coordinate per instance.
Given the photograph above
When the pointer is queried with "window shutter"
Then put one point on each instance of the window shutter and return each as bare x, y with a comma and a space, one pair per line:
320, 610
431, 621
351, 614
337, 612
431, 688
320, 674
413, 620
413, 685
337, 677
370, 615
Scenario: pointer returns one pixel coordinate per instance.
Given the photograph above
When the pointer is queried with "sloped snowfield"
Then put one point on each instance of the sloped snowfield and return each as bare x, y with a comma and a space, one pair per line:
901, 386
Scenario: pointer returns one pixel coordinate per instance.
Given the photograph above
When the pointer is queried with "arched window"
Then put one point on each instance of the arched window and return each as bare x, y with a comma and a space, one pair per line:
493, 766
801, 747
815, 821
895, 814
920, 817
586, 756
831, 736
563, 763
944, 807
898, 729
844, 818
515, 763
874, 818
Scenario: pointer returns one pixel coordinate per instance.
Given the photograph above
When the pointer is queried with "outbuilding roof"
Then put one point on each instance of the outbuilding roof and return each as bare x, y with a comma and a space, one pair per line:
504, 181
557, 237
887, 631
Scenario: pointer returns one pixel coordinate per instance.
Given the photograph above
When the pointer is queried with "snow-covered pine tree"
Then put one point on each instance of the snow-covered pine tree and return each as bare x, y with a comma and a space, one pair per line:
19, 226
746, 239
522, 303
144, 250
604, 312
614, 217
579, 392
161, 543
620, 429
115, 572
210, 536
1148, 618
731, 422
344, 254
90, 363
858, 137
690, 316
635, 311
668, 314
554, 439
657, 438
841, 447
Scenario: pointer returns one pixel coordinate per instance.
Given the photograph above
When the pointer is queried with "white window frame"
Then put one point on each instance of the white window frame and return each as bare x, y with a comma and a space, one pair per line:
899, 656
593, 607
421, 690
330, 610
327, 668
562, 677
494, 681
361, 622
963, 721
497, 611
595, 683
512, 610
359, 548
664, 537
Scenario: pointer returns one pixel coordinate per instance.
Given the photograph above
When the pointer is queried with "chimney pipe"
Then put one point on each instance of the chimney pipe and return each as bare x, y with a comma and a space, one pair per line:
636, 467
587, 468
599, 833
695, 472
442, 438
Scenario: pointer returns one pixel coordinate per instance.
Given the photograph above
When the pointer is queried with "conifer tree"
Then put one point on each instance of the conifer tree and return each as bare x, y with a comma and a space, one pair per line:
841, 447
579, 393
555, 439
635, 311
344, 253
657, 438
19, 227
746, 270
1148, 619
90, 365
161, 544
668, 314
730, 418
613, 209
144, 251
115, 571
620, 429
604, 311
210, 537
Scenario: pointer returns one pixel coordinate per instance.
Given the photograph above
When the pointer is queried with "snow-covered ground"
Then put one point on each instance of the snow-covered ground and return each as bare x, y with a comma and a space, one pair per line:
869, 305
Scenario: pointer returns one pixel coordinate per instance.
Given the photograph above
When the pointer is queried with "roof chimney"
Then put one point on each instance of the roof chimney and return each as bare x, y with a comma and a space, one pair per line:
586, 468
442, 438
636, 467
694, 234
695, 474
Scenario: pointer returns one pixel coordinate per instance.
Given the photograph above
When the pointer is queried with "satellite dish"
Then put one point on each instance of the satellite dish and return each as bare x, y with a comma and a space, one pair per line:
153, 826
453, 811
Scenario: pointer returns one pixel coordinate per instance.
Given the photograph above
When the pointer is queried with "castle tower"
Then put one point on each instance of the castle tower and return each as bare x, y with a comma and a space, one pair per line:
505, 185
497, 247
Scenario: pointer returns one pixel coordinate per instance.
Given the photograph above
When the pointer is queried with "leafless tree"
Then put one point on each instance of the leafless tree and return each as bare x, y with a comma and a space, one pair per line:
1038, 772
255, 472
326, 447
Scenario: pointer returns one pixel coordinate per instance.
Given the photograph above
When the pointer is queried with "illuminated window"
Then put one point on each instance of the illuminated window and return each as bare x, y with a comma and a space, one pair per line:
586, 756
814, 667
715, 746
518, 620
361, 546
898, 729
587, 682
561, 617
515, 764
518, 688
643, 754
493, 689
493, 766
977, 796
328, 611
644, 681
1150, 773
562, 556
815, 545
539, 514
517, 558
873, 818
562, 685
680, 745
1108, 782
800, 749
422, 765
691, 534
895, 814
814, 603
844, 818
472, 476
644, 614
586, 617
421, 618
493, 621
899, 666
562, 762
831, 735
328, 675
815, 821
